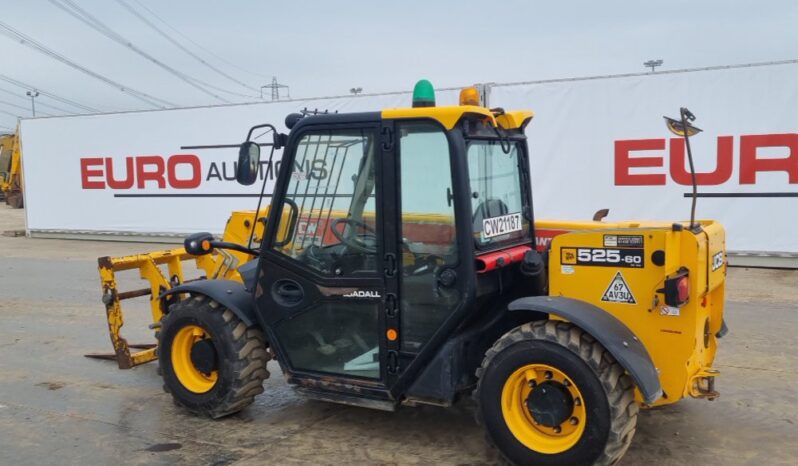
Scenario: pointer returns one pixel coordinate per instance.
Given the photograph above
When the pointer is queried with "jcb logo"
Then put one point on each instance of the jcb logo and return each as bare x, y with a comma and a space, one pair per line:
750, 162
568, 256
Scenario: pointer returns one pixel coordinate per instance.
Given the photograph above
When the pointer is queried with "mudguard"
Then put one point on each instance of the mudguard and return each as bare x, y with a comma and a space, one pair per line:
616, 337
229, 293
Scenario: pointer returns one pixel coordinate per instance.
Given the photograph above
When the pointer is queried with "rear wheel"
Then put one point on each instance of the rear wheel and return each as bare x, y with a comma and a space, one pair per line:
211, 363
549, 394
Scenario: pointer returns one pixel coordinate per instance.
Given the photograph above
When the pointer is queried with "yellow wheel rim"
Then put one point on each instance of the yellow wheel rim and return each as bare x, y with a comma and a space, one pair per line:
188, 375
535, 436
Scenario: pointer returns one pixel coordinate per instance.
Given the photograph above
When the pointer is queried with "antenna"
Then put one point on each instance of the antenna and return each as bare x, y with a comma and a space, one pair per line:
275, 88
682, 127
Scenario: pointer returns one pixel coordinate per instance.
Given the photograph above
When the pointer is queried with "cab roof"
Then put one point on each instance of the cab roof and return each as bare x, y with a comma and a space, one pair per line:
447, 116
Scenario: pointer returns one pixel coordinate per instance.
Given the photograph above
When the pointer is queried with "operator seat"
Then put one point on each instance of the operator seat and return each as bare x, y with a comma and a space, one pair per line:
488, 209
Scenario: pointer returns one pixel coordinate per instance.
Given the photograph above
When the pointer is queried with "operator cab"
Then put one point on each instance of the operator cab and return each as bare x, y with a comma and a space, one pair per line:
368, 263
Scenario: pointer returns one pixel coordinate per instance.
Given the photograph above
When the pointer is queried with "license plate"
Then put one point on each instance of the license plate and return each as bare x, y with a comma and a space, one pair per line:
498, 226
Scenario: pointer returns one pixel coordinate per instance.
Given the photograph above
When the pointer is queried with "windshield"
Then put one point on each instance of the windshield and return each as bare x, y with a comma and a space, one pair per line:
497, 195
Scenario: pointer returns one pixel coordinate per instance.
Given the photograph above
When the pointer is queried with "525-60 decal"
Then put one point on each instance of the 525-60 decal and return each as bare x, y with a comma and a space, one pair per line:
606, 257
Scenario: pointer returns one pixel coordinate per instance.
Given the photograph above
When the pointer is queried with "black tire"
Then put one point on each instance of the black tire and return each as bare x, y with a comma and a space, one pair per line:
611, 411
241, 357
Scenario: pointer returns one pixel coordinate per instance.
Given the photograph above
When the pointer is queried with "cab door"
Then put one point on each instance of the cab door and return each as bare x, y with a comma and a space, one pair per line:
321, 285
432, 223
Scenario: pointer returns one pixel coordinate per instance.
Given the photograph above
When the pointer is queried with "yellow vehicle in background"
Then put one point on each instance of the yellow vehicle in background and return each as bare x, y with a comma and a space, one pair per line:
408, 269
11, 170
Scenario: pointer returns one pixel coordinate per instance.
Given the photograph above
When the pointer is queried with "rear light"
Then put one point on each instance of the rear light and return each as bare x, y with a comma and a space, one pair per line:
677, 288
683, 288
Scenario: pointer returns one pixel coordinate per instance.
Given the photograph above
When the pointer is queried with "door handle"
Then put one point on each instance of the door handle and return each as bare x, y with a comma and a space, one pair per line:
390, 264
287, 292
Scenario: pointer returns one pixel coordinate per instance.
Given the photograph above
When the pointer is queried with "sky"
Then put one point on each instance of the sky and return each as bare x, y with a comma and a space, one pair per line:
325, 48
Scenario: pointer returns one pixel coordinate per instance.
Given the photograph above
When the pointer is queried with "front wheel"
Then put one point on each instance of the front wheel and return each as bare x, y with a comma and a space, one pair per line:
550, 394
211, 363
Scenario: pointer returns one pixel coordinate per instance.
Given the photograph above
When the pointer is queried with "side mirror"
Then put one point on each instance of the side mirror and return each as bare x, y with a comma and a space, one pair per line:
199, 244
248, 163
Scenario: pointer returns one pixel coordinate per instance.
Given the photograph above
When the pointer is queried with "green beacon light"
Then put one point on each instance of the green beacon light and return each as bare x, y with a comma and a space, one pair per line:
423, 94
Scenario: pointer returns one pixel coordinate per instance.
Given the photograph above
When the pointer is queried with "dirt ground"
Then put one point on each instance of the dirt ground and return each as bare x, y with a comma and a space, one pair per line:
57, 407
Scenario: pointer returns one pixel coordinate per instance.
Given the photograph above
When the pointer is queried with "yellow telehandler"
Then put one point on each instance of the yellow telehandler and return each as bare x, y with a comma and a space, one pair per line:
11, 170
403, 270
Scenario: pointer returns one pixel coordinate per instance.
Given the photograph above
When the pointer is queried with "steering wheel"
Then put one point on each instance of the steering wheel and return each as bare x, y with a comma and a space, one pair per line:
355, 242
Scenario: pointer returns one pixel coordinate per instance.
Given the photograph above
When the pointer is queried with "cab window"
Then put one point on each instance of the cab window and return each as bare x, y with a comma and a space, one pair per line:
497, 197
328, 220
429, 242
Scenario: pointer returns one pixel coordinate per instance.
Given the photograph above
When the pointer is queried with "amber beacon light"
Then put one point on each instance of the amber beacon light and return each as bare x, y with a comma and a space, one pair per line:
469, 96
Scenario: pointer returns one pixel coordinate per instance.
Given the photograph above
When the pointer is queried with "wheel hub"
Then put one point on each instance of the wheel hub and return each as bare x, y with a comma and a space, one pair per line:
194, 359
203, 356
543, 408
550, 404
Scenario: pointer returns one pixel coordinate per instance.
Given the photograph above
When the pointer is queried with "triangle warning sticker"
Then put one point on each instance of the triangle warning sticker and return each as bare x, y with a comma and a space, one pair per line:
618, 291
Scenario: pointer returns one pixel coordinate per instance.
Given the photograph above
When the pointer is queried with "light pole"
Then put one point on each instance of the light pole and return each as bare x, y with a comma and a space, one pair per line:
356, 90
653, 64
33, 94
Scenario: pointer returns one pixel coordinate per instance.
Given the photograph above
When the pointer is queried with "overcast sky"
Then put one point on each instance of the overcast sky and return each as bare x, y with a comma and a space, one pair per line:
326, 48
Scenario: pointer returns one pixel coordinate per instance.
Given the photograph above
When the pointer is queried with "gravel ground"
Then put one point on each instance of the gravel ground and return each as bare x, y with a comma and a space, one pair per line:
57, 407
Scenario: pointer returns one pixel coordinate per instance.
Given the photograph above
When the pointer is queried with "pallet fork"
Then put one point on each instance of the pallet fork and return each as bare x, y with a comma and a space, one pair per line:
151, 269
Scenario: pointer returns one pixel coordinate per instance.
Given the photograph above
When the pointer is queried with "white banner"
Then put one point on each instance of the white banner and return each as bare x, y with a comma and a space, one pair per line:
602, 143
155, 172
595, 143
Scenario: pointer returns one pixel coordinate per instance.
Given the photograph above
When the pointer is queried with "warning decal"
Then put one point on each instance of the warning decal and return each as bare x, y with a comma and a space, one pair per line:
618, 291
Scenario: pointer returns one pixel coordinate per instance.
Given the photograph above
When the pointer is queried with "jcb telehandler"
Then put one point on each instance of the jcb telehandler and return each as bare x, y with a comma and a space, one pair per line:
397, 265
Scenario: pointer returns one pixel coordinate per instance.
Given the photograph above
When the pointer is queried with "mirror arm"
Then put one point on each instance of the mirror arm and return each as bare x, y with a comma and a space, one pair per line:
279, 139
